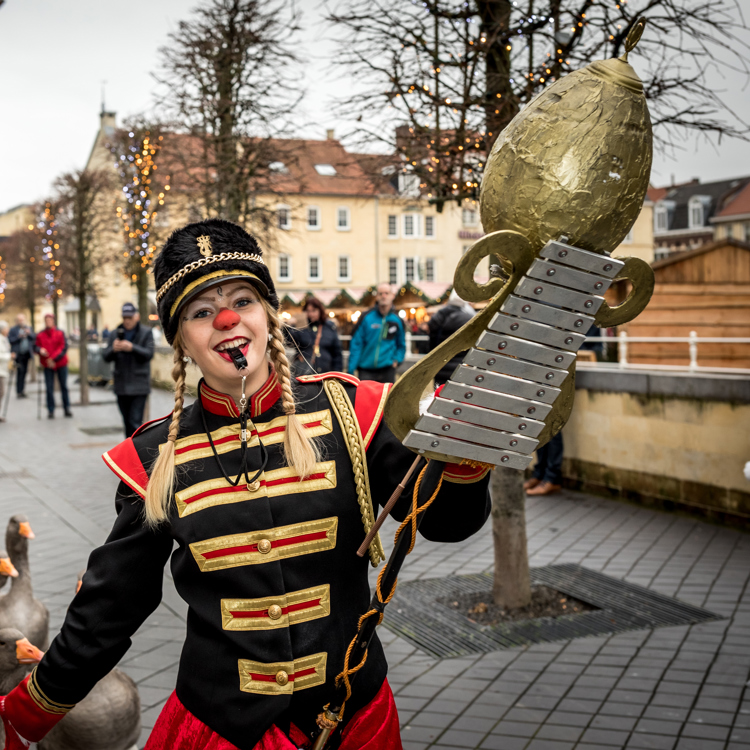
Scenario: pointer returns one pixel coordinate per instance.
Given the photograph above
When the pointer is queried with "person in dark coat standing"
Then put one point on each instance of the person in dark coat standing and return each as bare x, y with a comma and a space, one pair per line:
21, 339
444, 323
53, 356
131, 347
317, 344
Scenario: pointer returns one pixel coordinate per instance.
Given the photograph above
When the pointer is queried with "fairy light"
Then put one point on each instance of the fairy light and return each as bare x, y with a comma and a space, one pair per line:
45, 245
138, 202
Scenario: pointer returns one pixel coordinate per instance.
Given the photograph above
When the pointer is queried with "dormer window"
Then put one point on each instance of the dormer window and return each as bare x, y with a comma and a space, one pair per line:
325, 170
661, 218
408, 185
278, 167
696, 213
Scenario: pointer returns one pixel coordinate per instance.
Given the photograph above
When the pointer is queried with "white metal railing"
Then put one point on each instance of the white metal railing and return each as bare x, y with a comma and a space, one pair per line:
622, 340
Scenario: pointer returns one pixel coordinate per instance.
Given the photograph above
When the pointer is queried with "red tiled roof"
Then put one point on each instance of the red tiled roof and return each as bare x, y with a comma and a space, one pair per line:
737, 205
655, 193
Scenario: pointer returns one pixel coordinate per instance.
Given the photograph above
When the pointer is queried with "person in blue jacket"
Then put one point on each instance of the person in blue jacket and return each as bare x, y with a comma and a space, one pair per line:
378, 345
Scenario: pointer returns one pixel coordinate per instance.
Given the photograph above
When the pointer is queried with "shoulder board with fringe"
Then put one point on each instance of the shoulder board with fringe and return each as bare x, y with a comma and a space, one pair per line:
327, 376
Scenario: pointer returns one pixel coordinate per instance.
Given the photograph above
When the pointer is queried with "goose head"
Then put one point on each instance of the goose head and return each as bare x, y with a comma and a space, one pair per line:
16, 655
18, 533
7, 569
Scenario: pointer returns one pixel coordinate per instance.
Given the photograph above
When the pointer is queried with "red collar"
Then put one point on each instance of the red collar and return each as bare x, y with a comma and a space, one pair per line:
223, 405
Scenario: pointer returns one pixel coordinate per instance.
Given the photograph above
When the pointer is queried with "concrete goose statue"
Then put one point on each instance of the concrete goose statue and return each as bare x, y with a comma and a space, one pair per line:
18, 608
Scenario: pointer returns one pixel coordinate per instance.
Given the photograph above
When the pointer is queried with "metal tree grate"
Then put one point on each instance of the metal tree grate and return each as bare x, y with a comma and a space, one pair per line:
417, 616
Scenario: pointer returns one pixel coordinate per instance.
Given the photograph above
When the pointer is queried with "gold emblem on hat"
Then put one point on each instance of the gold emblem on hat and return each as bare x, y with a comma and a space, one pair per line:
204, 245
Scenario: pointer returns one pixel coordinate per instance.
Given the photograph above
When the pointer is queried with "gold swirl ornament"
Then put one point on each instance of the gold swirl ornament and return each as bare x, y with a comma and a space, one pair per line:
574, 164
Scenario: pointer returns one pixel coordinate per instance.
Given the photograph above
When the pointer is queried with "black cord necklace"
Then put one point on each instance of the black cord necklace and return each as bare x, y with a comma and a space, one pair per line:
243, 438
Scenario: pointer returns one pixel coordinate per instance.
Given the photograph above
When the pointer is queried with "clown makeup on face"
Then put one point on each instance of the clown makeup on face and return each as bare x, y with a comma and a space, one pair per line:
221, 318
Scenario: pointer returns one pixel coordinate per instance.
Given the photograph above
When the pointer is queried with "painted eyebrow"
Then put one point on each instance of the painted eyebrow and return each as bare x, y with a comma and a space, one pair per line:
245, 286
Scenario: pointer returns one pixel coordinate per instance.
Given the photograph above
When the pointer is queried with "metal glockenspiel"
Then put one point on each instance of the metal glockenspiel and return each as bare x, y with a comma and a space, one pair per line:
493, 407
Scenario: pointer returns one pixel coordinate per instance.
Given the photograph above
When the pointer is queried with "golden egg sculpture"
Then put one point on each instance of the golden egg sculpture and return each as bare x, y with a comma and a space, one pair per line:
576, 161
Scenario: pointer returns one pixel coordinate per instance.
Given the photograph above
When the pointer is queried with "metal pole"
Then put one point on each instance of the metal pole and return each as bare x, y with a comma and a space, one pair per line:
693, 348
622, 349
401, 549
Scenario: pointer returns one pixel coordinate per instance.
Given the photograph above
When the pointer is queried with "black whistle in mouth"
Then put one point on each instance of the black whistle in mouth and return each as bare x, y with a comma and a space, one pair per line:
238, 358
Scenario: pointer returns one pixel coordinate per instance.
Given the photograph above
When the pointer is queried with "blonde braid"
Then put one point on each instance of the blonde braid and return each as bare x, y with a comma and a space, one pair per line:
161, 482
301, 451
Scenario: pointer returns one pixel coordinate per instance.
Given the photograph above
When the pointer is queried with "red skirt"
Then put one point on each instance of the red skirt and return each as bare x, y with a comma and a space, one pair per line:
374, 727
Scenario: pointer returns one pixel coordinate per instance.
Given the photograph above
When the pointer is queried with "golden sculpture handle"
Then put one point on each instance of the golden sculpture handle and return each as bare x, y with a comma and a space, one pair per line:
402, 406
641, 276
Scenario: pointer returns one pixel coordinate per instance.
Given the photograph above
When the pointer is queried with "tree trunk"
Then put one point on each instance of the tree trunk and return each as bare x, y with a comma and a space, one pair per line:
511, 587
142, 286
83, 352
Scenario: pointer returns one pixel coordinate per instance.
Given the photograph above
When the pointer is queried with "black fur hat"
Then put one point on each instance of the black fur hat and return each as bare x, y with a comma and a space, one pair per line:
199, 255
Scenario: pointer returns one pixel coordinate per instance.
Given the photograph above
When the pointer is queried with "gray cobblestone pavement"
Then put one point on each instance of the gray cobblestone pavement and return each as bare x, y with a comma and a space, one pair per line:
681, 688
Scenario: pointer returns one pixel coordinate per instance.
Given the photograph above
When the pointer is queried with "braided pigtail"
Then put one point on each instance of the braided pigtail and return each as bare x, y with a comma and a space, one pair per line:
161, 482
301, 451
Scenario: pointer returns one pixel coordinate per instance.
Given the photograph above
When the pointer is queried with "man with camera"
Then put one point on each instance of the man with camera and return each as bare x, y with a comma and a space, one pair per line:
131, 347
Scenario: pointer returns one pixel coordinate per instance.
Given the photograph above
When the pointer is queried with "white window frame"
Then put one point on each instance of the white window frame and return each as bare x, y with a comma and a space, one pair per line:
430, 224
288, 224
696, 213
408, 185
319, 260
394, 234
430, 266
729, 231
416, 226
393, 270
473, 222
415, 268
348, 226
661, 219
317, 227
279, 276
348, 276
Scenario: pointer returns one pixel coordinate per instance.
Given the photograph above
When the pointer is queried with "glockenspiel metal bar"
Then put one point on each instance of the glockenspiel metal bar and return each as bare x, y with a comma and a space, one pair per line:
473, 434
516, 367
582, 259
424, 441
507, 384
544, 291
551, 316
539, 333
588, 283
510, 346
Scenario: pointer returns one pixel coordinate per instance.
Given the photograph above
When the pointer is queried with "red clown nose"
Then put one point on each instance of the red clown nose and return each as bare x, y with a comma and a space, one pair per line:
226, 320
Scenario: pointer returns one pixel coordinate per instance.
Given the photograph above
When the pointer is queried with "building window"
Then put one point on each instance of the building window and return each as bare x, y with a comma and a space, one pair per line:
429, 269
392, 225
284, 217
408, 185
279, 167
730, 231
661, 219
313, 217
469, 217
412, 225
343, 220
429, 226
747, 232
393, 270
285, 267
696, 213
410, 269
314, 271
344, 270
325, 170
628, 237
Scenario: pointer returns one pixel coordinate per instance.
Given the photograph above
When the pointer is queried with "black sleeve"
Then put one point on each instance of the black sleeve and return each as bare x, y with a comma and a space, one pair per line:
122, 586
64, 349
458, 511
145, 350
108, 355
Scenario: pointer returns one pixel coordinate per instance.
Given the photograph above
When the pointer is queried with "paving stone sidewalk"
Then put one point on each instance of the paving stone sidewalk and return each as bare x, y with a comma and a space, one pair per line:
677, 687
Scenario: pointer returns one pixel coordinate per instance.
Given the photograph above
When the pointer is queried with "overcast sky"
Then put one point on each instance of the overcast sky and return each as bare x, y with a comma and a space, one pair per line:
54, 55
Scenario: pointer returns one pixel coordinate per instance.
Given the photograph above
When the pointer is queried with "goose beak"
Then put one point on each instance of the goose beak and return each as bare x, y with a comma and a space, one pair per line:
24, 529
7, 568
27, 653
78, 585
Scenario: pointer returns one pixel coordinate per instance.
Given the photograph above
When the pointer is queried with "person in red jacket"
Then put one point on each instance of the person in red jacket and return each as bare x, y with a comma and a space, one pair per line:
52, 347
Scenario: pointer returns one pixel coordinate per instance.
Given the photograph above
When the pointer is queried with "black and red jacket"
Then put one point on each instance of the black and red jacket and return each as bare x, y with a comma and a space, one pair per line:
270, 574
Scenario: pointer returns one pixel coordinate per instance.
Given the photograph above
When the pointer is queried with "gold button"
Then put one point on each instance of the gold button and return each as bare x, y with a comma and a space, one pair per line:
254, 486
274, 612
264, 546
282, 677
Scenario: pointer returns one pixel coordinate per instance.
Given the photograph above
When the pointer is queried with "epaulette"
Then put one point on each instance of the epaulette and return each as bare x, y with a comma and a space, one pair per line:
345, 376
124, 461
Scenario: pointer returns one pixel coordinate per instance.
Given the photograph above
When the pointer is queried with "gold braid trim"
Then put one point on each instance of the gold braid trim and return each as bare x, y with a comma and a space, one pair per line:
185, 270
342, 408
41, 700
476, 464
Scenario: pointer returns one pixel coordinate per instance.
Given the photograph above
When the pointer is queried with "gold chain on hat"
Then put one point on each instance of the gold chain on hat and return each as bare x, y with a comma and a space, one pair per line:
196, 264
